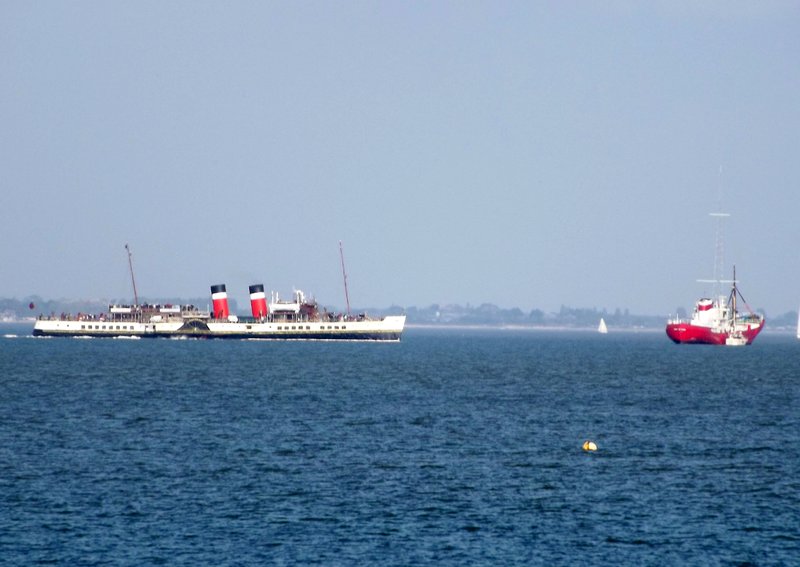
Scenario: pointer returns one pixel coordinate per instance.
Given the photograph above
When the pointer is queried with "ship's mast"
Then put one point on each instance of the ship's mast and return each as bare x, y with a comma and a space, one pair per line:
344, 277
719, 247
133, 280
719, 251
733, 300
719, 257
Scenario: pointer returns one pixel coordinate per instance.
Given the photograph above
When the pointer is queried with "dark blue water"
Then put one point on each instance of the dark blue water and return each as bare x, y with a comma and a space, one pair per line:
449, 448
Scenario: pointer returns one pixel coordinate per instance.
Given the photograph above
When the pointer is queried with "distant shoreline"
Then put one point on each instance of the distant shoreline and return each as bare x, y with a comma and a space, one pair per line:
544, 328
531, 328
501, 328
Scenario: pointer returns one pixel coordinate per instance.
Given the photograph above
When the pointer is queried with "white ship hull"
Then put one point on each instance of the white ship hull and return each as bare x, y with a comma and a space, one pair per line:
386, 329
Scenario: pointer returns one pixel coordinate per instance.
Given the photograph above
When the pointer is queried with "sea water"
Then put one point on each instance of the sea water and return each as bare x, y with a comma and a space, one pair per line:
452, 447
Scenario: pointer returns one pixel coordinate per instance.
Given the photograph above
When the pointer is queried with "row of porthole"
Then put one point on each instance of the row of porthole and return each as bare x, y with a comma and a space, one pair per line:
125, 327
308, 328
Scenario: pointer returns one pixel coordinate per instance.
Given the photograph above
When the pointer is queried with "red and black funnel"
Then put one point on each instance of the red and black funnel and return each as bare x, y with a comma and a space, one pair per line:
219, 297
258, 301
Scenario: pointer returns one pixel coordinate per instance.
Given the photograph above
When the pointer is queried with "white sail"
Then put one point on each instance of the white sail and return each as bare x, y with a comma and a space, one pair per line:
798, 324
603, 329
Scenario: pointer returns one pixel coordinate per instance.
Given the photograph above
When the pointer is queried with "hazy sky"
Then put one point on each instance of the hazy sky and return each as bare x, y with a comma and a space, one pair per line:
527, 154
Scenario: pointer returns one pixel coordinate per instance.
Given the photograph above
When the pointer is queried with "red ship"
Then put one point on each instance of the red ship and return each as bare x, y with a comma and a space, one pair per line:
717, 322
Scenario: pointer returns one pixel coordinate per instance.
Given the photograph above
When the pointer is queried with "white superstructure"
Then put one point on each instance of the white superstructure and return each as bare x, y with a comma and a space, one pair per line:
297, 320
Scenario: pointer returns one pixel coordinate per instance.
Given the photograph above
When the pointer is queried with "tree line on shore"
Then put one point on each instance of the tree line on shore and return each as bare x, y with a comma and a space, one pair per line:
451, 314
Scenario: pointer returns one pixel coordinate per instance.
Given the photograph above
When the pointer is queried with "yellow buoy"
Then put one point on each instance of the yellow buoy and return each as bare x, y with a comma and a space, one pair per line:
589, 446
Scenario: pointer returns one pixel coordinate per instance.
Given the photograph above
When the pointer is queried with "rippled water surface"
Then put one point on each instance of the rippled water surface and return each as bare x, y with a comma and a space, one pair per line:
449, 448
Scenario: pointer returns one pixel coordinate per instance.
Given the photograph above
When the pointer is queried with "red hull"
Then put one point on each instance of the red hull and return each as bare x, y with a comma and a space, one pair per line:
686, 333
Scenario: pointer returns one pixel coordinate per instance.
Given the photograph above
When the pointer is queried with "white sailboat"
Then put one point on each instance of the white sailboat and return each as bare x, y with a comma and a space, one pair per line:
603, 329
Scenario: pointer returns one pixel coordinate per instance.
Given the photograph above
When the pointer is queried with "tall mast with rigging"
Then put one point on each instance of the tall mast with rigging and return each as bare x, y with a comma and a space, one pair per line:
344, 277
719, 247
734, 292
133, 280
